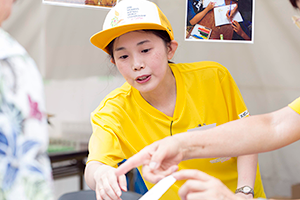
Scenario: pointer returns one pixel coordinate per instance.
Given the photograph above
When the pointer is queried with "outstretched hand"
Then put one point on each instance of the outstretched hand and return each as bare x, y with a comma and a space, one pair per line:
159, 160
202, 186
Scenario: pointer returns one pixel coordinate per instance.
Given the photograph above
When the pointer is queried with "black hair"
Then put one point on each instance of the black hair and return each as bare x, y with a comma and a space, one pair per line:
294, 3
159, 33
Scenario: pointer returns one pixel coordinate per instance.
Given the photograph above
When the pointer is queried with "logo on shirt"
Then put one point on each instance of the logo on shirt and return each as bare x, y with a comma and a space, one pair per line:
198, 4
244, 114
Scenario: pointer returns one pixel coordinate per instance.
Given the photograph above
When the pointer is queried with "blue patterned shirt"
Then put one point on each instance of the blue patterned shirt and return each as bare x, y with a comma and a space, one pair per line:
25, 171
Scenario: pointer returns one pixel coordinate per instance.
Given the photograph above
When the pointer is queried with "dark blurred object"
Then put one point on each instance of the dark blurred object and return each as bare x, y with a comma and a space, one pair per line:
91, 195
68, 158
69, 163
48, 118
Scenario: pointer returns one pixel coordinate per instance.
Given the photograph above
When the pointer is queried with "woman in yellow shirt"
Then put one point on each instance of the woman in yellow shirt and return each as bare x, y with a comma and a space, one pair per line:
159, 99
255, 134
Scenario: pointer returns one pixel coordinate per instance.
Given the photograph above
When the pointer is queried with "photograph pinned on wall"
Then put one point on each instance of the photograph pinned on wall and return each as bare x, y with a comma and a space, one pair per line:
220, 20
106, 4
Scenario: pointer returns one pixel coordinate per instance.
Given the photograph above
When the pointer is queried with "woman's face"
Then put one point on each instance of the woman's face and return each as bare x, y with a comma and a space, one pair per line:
142, 59
298, 3
5, 9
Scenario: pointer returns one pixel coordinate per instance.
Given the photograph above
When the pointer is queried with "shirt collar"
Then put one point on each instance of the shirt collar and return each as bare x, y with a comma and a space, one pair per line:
9, 46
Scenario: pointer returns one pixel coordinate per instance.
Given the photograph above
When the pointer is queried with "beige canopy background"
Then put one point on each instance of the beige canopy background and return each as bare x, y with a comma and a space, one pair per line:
78, 75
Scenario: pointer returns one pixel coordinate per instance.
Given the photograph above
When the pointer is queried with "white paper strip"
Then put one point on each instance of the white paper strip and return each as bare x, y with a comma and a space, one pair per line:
159, 189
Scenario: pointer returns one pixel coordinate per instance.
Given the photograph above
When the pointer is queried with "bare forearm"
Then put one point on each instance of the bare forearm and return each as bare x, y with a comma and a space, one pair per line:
253, 134
89, 173
230, 139
199, 16
247, 166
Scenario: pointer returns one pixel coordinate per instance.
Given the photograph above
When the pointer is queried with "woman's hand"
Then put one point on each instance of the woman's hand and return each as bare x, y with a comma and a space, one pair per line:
159, 159
202, 186
108, 185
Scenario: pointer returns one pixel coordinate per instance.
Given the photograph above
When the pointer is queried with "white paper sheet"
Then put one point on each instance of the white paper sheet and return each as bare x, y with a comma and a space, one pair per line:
159, 188
218, 3
220, 15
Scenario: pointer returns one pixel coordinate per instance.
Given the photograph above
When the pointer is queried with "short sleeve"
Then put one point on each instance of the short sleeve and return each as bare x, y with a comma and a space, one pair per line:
236, 106
104, 144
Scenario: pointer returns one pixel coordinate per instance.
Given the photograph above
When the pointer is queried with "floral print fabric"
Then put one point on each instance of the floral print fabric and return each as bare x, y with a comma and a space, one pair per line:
25, 172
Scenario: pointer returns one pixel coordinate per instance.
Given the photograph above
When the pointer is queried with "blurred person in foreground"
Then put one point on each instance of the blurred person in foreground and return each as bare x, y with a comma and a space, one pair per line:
25, 172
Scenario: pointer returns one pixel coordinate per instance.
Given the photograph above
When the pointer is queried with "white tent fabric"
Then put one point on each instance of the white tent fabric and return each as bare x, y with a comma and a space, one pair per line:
78, 75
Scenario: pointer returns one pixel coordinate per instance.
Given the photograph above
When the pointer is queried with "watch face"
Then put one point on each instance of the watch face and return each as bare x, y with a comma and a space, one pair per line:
246, 189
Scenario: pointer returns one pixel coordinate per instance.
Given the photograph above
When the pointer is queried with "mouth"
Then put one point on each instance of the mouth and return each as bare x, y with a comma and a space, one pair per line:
143, 79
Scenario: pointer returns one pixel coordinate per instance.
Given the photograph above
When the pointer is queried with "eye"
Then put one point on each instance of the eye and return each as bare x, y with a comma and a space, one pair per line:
145, 50
123, 57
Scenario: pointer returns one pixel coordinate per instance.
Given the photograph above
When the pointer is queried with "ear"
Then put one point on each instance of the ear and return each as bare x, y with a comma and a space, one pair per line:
112, 61
172, 47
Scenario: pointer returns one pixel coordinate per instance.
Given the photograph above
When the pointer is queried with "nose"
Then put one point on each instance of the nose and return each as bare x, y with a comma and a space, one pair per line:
137, 65
138, 68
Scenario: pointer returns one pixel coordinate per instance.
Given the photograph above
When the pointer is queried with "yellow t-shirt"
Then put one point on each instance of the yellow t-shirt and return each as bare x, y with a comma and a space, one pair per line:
295, 105
124, 123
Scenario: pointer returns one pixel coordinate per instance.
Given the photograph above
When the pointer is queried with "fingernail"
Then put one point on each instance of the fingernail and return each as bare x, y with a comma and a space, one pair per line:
152, 165
119, 193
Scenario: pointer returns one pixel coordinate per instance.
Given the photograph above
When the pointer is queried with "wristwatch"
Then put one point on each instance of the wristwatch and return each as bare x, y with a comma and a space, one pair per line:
245, 189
